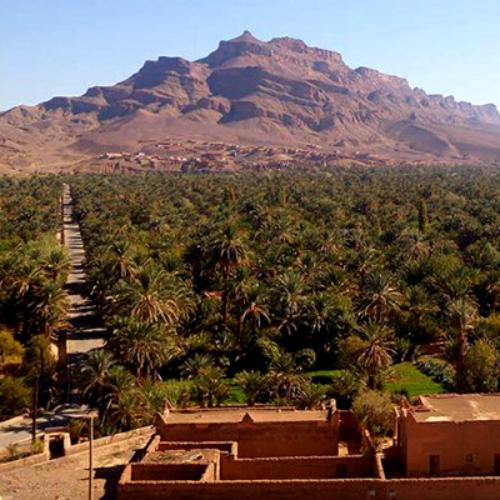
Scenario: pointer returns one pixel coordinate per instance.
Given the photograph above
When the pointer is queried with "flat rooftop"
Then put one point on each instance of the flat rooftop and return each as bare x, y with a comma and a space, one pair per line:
237, 414
458, 408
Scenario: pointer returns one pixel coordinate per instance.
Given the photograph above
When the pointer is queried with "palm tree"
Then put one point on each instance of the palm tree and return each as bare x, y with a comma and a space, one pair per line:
121, 262
321, 311
210, 388
463, 316
95, 370
18, 275
144, 347
124, 401
375, 353
413, 244
227, 254
310, 396
344, 386
56, 264
284, 375
255, 313
49, 304
383, 298
193, 366
151, 297
290, 290
252, 383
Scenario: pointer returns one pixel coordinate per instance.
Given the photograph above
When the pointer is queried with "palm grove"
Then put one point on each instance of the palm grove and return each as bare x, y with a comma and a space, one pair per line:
33, 302
218, 288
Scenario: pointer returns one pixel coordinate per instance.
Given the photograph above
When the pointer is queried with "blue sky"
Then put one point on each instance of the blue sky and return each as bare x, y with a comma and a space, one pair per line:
61, 47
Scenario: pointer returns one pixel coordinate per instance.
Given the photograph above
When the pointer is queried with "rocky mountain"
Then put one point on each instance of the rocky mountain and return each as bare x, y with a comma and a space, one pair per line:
280, 92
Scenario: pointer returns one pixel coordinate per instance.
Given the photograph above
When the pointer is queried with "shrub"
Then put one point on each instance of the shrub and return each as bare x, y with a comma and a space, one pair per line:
253, 385
10, 349
481, 367
14, 396
375, 411
310, 396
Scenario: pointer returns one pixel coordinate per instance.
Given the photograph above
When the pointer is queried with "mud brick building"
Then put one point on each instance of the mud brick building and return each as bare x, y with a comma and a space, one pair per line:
451, 435
281, 453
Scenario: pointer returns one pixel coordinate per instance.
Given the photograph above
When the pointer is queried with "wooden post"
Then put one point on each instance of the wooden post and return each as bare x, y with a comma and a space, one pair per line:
91, 458
34, 409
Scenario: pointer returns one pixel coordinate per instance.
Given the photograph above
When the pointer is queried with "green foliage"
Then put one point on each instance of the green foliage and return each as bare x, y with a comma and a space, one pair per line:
15, 396
440, 371
210, 388
282, 273
375, 411
345, 384
142, 346
10, 349
482, 367
38, 357
310, 396
423, 218
253, 385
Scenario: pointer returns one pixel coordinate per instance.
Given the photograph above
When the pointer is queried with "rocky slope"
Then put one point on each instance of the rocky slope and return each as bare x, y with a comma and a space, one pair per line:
253, 92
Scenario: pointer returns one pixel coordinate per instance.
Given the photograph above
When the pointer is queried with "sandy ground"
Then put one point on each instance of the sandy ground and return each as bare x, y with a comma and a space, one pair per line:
67, 478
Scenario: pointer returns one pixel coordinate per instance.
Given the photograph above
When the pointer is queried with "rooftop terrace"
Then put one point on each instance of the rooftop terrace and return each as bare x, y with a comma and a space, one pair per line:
458, 408
236, 414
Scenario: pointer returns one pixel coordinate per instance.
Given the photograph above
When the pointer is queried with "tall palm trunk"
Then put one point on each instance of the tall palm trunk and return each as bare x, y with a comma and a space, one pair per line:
460, 360
225, 297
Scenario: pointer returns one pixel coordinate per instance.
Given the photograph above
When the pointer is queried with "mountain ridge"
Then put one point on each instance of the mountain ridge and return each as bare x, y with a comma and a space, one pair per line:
277, 92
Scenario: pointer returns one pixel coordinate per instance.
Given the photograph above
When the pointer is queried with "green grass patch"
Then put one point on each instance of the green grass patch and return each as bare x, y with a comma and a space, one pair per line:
407, 377
323, 377
236, 396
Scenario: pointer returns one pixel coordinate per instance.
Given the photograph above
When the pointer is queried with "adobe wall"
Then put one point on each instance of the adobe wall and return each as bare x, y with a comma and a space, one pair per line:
287, 439
167, 471
452, 441
232, 468
341, 489
267, 439
227, 446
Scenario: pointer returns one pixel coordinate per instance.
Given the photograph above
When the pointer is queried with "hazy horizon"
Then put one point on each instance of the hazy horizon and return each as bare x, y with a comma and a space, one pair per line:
449, 49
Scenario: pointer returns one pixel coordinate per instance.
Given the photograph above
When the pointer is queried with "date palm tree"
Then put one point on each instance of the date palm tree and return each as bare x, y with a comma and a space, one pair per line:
49, 305
375, 352
95, 372
144, 347
56, 264
151, 297
210, 389
227, 253
256, 312
383, 298
252, 383
121, 263
463, 314
290, 289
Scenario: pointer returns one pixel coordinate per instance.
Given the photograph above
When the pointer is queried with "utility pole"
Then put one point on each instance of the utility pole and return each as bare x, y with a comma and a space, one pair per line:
91, 457
89, 415
35, 408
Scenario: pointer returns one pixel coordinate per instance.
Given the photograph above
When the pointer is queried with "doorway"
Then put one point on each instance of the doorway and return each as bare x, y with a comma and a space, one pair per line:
497, 464
434, 465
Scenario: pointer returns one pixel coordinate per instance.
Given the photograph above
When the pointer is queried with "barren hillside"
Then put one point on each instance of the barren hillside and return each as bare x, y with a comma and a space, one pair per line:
279, 93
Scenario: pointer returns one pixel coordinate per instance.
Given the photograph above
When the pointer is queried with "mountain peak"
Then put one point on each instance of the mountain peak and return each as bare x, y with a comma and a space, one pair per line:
281, 91
244, 44
246, 36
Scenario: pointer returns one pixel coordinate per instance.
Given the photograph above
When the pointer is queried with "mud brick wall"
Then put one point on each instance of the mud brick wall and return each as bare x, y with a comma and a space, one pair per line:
487, 488
295, 467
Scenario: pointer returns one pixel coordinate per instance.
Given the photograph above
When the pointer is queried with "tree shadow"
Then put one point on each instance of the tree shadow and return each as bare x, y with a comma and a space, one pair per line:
111, 476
